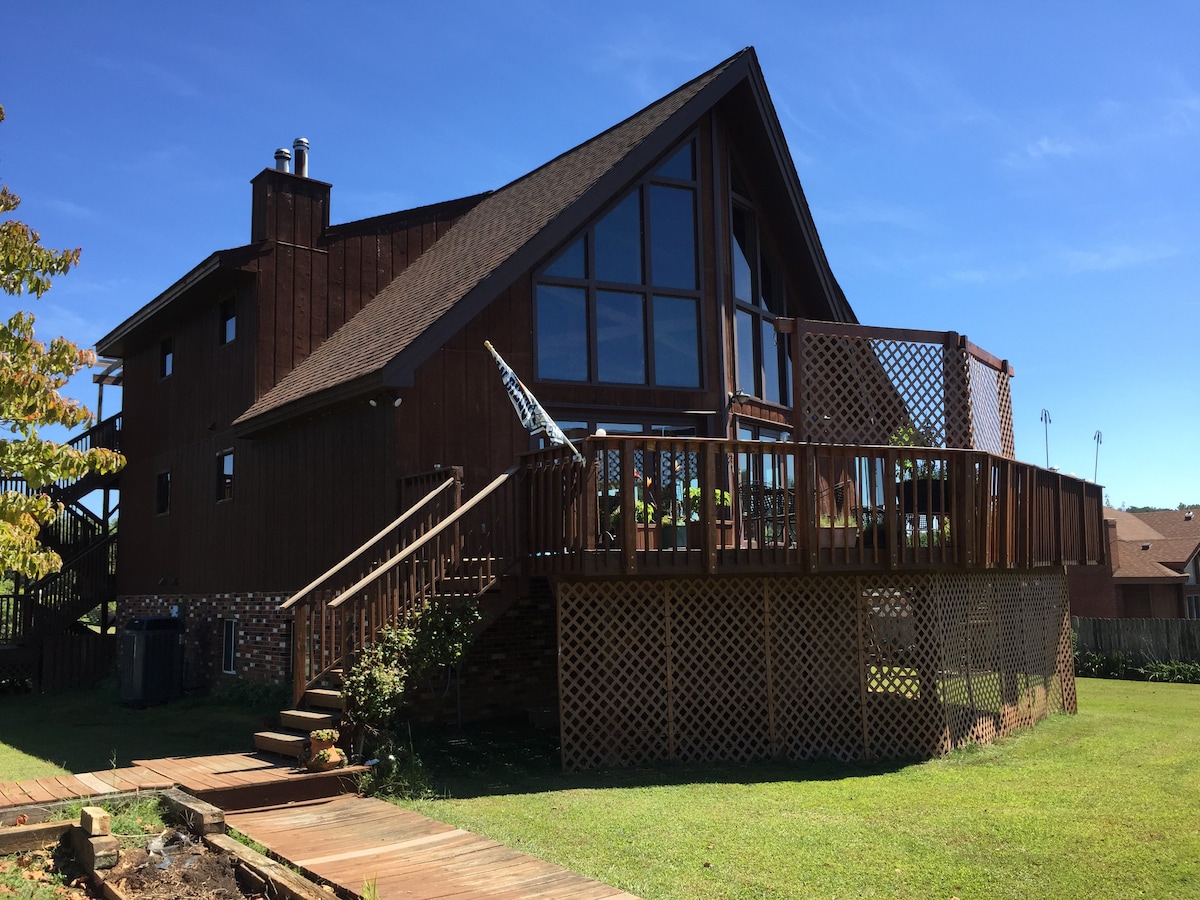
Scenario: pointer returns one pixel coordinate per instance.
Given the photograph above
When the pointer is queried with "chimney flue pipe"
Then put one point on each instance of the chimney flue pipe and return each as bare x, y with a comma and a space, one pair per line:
300, 145
283, 159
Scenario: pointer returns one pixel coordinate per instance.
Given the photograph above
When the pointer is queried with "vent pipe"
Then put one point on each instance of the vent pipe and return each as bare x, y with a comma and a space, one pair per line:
283, 160
300, 145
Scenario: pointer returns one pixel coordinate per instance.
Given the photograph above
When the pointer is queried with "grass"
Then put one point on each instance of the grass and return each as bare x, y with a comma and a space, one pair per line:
1105, 804
90, 731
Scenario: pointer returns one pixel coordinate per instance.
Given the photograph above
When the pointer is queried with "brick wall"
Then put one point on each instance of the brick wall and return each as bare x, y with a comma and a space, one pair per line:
263, 650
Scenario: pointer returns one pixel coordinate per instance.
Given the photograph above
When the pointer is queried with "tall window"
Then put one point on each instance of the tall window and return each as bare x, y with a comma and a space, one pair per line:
166, 357
228, 321
224, 475
764, 365
229, 646
162, 493
621, 305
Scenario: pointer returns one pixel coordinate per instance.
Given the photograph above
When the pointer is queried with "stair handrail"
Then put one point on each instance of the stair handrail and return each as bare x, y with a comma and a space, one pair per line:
370, 542
429, 536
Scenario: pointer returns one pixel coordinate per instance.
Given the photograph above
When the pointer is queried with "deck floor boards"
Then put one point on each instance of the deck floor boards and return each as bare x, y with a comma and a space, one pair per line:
352, 840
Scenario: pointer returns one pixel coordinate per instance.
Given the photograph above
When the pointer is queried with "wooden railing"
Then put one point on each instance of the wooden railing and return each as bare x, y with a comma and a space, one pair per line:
438, 552
645, 504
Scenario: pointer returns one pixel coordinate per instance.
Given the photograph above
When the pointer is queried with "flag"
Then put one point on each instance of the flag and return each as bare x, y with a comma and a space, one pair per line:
529, 411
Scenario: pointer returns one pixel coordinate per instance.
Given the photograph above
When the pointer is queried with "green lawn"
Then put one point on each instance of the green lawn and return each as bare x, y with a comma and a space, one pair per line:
1103, 804
87, 730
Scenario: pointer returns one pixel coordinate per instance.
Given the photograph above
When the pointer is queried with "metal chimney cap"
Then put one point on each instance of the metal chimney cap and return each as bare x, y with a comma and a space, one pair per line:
283, 156
299, 143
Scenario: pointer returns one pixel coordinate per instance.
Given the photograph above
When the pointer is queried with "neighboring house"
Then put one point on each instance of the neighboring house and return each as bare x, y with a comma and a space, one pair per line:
1155, 564
790, 534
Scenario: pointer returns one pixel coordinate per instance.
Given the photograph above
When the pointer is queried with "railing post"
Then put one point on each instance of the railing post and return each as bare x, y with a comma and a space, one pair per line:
708, 505
629, 510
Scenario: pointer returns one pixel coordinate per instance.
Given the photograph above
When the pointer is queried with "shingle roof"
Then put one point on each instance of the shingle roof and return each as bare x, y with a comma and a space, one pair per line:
1172, 541
471, 252
1173, 524
1136, 563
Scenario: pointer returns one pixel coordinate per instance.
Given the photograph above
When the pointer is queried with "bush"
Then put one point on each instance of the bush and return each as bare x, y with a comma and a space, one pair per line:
1173, 672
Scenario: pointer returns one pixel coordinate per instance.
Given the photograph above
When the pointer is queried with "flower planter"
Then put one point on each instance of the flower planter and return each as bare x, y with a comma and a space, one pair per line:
837, 537
924, 497
695, 534
645, 536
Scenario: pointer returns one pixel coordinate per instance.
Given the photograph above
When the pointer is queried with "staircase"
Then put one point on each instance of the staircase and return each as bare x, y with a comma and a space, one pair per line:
439, 553
39, 611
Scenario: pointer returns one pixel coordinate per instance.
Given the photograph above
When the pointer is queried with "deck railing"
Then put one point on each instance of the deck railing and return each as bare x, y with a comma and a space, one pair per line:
645, 504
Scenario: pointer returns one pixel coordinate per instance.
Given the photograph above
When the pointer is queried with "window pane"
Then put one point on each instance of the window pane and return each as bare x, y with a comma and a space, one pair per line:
673, 236
562, 345
228, 321
225, 476
572, 263
676, 342
770, 364
747, 368
166, 357
620, 338
619, 242
681, 165
743, 256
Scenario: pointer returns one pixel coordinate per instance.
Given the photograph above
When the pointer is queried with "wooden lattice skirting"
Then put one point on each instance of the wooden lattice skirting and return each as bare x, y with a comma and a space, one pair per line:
799, 667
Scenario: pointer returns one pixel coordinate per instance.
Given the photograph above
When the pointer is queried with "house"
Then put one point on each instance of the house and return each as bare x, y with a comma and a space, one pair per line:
1153, 571
788, 534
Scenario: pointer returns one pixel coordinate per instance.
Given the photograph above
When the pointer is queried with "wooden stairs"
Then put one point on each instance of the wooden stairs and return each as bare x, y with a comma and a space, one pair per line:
319, 708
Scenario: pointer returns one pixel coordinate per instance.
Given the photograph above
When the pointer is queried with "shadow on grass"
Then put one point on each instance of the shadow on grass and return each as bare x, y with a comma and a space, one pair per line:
89, 730
511, 758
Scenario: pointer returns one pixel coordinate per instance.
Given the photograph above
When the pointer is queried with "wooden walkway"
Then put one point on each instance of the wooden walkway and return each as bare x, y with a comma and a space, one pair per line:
227, 780
354, 840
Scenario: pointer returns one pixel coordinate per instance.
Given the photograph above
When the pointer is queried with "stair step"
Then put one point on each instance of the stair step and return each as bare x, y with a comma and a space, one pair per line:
307, 720
285, 743
324, 698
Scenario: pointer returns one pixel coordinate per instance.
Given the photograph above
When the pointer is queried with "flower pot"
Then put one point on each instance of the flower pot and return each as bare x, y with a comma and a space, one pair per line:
695, 534
837, 537
646, 537
924, 497
674, 537
329, 758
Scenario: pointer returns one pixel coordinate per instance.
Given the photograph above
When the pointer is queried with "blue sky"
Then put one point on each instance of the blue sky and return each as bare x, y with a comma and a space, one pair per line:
1023, 173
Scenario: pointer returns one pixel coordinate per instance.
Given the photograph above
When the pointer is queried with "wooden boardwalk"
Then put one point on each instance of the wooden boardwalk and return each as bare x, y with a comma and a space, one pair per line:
354, 840
227, 780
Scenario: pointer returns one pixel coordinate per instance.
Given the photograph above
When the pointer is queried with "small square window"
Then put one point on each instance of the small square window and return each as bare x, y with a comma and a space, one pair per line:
166, 357
225, 475
228, 321
229, 646
162, 493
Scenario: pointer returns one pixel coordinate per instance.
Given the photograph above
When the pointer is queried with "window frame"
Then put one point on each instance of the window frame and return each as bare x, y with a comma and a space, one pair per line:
224, 483
646, 290
229, 646
162, 493
762, 308
166, 357
227, 317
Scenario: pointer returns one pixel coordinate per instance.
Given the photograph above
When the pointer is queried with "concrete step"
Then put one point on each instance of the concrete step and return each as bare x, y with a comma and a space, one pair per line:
285, 743
307, 720
323, 698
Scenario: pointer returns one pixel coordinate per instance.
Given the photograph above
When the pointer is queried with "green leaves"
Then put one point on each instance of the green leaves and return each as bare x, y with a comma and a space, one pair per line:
31, 375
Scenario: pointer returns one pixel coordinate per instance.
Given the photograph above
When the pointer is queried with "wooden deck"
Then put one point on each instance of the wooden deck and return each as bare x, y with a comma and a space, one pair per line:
228, 780
353, 840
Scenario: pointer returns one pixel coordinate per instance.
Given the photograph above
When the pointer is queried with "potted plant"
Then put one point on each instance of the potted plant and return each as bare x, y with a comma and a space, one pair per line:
919, 483
643, 513
836, 533
692, 505
323, 755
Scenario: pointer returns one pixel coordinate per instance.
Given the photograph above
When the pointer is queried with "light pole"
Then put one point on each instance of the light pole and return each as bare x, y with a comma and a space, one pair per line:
1046, 428
1098, 437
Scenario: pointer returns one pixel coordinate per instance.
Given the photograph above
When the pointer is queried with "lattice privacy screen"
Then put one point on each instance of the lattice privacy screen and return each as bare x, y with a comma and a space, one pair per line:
865, 387
802, 667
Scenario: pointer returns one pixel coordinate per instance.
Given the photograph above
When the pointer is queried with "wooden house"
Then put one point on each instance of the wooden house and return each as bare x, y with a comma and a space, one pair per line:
788, 534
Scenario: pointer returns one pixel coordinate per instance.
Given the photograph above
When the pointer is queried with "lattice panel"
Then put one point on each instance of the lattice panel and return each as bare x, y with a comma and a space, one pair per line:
991, 409
806, 666
613, 673
900, 667
718, 670
864, 390
815, 673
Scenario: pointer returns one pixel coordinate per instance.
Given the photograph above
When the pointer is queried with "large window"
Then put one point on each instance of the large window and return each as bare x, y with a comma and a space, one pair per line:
621, 304
764, 367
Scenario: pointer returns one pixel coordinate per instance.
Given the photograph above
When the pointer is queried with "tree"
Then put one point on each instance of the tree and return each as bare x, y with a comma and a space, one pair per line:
31, 376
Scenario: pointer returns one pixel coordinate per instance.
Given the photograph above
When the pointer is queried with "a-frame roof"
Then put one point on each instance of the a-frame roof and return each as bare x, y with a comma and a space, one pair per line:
508, 233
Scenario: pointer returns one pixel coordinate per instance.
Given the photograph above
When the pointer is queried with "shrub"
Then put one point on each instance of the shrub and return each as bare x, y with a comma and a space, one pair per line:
1173, 672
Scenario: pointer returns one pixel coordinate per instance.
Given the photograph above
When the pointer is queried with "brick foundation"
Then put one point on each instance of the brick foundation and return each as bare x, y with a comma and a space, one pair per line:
264, 635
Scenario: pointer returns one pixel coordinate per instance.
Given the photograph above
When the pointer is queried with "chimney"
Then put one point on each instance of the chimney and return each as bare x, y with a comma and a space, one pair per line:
300, 145
283, 160
1114, 544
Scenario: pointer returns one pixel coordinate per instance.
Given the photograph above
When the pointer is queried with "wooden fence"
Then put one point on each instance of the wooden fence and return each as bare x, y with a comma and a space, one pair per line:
1142, 640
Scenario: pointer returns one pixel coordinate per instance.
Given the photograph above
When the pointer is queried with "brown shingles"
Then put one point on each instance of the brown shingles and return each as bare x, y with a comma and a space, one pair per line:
469, 253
